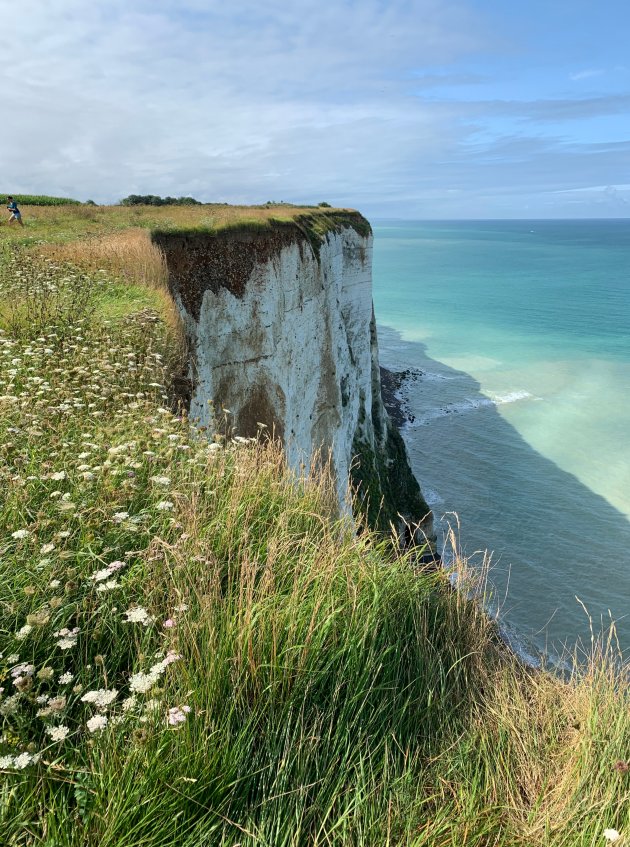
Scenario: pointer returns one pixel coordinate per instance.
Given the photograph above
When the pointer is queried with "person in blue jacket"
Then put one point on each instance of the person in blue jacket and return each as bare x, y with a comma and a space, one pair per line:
15, 215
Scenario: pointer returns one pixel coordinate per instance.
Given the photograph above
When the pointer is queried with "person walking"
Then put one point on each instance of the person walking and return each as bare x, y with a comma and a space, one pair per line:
15, 215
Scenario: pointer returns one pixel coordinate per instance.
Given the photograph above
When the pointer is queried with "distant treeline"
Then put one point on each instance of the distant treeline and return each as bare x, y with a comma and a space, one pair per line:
155, 200
41, 200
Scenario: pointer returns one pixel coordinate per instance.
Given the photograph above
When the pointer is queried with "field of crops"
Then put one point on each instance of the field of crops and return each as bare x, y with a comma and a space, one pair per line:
41, 200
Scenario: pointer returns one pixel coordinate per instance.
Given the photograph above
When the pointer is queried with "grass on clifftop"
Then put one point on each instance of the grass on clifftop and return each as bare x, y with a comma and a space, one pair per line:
196, 652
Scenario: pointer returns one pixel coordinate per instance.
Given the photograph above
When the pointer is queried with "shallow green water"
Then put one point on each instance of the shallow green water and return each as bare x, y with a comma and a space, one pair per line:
522, 331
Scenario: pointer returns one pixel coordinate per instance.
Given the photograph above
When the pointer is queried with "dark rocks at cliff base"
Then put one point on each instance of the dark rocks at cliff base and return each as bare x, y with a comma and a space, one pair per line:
391, 383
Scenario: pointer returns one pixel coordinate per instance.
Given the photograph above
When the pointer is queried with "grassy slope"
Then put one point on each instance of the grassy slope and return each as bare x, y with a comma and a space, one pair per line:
336, 697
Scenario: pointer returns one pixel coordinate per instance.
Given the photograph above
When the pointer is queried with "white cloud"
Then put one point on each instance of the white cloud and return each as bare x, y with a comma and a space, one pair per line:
586, 74
227, 101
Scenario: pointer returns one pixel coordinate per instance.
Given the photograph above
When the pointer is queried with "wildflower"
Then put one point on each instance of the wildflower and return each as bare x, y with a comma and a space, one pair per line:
6, 762
142, 682
57, 704
54, 583
168, 624
129, 703
611, 835
20, 533
65, 678
164, 506
183, 607
119, 517
161, 480
108, 586
622, 766
40, 618
96, 723
24, 631
24, 759
101, 698
23, 670
67, 637
138, 615
10, 705
57, 733
46, 548
177, 715
58, 475
98, 576
45, 674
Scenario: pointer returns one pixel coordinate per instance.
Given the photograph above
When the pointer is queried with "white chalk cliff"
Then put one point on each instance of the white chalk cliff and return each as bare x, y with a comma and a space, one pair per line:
281, 332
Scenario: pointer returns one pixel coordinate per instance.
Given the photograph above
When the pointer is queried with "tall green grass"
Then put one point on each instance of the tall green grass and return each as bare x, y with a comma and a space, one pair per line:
310, 686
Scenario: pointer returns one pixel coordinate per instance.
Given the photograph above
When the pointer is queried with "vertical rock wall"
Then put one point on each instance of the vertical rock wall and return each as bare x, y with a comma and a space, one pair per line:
282, 332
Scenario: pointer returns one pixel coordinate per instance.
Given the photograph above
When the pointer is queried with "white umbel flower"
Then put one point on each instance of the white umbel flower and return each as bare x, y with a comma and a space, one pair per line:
612, 836
97, 723
139, 615
57, 733
101, 698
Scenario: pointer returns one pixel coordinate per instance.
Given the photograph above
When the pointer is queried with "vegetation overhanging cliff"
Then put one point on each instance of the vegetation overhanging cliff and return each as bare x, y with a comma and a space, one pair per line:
195, 652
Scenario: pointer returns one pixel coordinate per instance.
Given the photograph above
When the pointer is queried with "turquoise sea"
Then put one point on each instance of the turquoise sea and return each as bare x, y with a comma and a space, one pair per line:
521, 330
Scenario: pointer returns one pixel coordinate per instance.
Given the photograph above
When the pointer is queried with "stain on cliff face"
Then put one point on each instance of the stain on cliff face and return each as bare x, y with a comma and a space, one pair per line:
265, 405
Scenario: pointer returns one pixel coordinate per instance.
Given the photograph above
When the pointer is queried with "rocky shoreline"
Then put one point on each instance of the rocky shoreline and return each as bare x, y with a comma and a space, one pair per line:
396, 405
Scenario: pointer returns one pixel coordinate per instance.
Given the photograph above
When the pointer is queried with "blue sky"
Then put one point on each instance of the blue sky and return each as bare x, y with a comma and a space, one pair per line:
401, 108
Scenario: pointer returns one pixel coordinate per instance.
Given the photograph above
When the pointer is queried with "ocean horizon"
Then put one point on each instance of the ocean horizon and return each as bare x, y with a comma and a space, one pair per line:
518, 331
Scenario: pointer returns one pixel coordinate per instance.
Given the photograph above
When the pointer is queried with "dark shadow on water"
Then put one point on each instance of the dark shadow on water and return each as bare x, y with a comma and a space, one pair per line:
552, 538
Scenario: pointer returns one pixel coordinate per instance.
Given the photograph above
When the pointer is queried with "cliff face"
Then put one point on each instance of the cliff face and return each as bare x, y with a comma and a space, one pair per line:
281, 330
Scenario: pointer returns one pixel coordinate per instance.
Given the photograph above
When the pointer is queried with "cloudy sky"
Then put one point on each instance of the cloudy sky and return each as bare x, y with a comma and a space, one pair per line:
401, 108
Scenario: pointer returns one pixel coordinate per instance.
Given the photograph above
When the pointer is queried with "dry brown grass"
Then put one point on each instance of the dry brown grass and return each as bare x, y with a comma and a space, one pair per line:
129, 254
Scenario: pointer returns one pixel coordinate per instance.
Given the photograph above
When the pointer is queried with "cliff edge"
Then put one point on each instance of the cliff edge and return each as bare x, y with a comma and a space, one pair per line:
281, 330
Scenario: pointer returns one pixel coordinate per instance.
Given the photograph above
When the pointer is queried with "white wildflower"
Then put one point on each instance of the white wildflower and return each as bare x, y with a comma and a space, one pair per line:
20, 533
129, 703
98, 576
58, 475
24, 631
611, 835
101, 698
23, 670
138, 615
10, 705
142, 682
96, 723
65, 678
25, 759
47, 548
119, 517
108, 586
6, 762
54, 583
161, 480
164, 506
177, 715
57, 733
